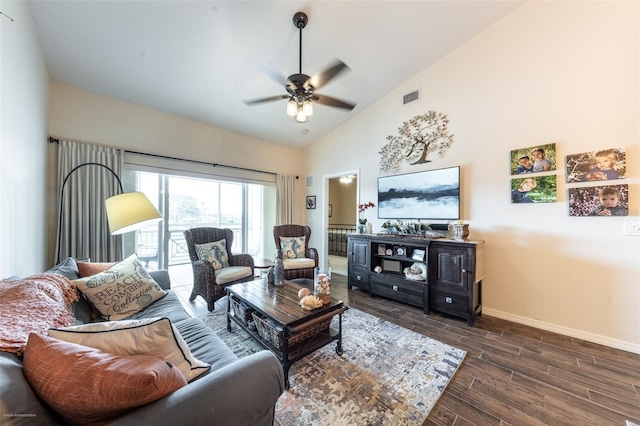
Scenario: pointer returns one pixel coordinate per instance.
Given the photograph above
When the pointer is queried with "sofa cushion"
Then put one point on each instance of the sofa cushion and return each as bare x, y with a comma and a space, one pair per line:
121, 290
67, 267
153, 336
18, 398
86, 386
292, 247
214, 253
205, 344
232, 273
86, 269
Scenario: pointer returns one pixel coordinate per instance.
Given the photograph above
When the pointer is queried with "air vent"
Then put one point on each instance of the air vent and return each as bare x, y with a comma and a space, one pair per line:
410, 97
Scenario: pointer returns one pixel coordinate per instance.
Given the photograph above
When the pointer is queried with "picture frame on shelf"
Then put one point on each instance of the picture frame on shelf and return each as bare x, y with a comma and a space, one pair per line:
382, 249
311, 202
418, 254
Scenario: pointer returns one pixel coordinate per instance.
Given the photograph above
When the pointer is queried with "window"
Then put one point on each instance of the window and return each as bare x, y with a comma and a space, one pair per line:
248, 209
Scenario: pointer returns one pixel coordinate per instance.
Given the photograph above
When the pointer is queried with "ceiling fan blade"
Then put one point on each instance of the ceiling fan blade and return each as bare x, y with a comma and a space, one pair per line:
262, 100
274, 74
327, 75
333, 102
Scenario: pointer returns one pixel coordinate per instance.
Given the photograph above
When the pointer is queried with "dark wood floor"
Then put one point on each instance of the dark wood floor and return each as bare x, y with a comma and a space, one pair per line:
513, 374
518, 375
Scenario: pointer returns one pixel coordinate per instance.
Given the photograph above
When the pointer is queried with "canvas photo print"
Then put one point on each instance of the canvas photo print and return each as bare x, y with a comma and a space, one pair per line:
532, 189
605, 164
431, 194
534, 159
610, 200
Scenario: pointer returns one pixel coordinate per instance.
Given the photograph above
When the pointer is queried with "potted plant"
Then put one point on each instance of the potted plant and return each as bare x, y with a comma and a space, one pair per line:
361, 219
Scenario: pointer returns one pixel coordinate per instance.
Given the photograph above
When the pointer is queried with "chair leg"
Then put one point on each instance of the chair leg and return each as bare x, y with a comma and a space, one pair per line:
211, 305
194, 294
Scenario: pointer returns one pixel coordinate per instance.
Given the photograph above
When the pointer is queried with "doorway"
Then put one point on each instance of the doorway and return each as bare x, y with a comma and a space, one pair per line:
341, 217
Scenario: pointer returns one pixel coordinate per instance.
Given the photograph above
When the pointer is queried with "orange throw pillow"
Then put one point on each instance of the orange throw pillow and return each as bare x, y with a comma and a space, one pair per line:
87, 269
88, 386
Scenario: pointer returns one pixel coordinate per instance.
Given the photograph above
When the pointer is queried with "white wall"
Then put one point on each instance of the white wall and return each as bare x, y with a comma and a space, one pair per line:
82, 116
23, 133
563, 72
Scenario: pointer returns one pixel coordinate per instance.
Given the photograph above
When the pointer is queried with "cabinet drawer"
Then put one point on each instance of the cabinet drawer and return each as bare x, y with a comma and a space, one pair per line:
359, 278
397, 288
451, 303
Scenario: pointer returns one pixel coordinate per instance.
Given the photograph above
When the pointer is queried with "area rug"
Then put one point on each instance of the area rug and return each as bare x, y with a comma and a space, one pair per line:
387, 374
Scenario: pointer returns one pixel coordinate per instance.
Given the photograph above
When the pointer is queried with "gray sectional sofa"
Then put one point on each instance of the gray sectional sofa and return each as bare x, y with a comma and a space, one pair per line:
233, 392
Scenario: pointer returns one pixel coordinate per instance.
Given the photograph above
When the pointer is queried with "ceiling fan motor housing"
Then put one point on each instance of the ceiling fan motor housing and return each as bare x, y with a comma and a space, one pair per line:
300, 20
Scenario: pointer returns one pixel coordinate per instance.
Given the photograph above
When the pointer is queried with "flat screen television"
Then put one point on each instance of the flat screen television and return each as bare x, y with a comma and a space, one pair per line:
431, 194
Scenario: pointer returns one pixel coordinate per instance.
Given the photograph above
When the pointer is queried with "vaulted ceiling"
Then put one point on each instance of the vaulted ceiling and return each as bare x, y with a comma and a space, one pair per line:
201, 59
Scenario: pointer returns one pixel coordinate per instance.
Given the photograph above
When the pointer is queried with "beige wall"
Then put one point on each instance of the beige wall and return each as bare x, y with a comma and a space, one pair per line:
82, 116
23, 135
563, 72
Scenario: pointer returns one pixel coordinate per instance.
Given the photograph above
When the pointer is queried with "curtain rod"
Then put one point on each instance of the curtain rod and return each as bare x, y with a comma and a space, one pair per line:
54, 140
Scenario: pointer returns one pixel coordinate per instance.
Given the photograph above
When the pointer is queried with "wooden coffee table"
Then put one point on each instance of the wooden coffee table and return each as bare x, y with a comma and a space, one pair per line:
280, 305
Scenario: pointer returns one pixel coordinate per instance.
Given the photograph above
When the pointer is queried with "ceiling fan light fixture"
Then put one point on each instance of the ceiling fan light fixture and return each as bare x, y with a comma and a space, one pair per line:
292, 108
307, 107
301, 117
346, 180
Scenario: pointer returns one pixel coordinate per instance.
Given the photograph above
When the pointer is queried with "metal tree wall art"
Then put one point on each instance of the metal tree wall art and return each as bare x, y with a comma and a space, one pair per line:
417, 138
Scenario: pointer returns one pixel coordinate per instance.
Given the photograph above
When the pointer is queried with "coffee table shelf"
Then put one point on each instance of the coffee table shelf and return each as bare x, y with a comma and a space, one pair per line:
280, 304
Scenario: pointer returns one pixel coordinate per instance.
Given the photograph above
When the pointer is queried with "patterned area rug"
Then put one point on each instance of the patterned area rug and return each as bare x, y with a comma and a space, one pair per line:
387, 375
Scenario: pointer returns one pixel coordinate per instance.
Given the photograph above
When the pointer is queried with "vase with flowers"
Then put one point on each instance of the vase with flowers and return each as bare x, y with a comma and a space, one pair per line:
361, 219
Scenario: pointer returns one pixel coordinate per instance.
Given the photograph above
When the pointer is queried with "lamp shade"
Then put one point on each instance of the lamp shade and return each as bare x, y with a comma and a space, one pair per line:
130, 211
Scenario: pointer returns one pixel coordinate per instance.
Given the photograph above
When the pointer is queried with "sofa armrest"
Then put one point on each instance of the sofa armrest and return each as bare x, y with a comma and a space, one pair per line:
242, 393
162, 278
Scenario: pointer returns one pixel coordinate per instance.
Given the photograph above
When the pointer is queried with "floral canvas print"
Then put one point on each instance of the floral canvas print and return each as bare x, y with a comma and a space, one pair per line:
534, 159
606, 164
532, 189
611, 200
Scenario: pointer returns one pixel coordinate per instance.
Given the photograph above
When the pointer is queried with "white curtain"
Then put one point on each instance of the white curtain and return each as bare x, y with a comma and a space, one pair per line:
83, 228
285, 195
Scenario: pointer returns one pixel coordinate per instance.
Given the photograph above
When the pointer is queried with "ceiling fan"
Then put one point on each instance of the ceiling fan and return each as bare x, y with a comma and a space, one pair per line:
300, 91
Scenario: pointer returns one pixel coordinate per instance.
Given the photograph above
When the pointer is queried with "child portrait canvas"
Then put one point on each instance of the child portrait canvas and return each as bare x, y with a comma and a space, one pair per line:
534, 159
611, 200
534, 189
605, 164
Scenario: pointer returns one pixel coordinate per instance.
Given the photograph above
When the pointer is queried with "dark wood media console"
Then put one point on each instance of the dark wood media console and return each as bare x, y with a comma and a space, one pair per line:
454, 271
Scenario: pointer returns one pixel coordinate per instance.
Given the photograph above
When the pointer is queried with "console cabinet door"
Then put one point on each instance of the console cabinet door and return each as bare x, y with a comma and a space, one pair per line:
450, 268
358, 251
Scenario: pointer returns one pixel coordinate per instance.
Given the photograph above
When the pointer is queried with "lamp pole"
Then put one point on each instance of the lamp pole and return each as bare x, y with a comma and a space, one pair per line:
64, 183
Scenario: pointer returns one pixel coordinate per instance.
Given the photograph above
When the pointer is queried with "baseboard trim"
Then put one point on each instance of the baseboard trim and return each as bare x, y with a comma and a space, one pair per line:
578, 334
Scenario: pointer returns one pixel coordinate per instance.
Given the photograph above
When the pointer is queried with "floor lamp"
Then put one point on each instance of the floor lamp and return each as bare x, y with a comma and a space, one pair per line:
126, 211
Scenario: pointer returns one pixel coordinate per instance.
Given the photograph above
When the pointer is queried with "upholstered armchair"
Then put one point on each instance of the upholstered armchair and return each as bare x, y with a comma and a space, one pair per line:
292, 246
212, 270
